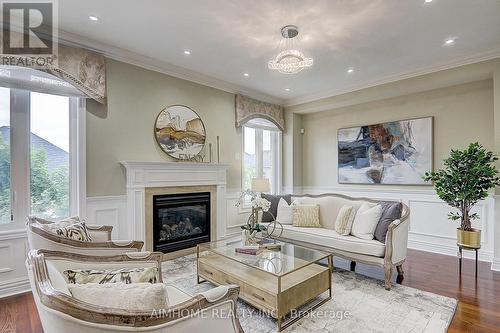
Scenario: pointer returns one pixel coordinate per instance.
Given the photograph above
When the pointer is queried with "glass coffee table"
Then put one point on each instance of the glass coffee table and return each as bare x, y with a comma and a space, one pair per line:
286, 284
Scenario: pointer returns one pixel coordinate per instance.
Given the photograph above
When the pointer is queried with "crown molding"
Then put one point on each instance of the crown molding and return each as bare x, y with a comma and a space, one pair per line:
394, 78
123, 55
164, 67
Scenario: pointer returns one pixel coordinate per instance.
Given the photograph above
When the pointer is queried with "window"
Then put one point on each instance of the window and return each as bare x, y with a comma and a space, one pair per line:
261, 153
5, 190
49, 155
39, 153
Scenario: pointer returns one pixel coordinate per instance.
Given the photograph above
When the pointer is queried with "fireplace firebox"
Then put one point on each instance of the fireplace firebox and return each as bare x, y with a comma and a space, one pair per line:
180, 221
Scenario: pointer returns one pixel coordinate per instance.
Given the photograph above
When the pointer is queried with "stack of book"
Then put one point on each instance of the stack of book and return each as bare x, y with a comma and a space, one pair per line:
249, 249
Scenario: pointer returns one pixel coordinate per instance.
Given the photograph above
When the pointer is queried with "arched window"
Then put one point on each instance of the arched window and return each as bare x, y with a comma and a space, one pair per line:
261, 153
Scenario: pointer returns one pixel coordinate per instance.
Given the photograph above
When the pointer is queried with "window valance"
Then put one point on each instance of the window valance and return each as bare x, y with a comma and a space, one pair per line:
248, 108
83, 69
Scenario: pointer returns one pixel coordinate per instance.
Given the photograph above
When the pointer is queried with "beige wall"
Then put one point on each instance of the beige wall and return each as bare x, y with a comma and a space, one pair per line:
292, 152
124, 129
462, 114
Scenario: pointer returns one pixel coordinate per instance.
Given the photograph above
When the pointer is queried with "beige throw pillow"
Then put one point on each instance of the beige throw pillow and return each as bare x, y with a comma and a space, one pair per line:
366, 221
345, 218
306, 216
125, 275
135, 296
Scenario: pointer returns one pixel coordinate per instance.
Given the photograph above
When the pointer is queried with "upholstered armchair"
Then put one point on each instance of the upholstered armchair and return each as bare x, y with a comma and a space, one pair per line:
39, 237
60, 312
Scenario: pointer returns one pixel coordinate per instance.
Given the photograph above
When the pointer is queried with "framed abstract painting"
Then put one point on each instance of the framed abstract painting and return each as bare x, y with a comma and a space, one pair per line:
393, 153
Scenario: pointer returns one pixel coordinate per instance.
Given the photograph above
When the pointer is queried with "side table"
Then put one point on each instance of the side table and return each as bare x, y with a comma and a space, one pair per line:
460, 249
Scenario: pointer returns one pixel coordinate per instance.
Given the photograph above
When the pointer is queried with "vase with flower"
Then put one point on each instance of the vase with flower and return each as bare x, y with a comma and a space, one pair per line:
252, 230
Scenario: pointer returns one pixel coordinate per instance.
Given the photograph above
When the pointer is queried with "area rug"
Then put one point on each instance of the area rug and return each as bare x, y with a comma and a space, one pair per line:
359, 304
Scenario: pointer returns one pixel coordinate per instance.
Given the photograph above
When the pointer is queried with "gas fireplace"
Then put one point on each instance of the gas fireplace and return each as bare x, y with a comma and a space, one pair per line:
180, 221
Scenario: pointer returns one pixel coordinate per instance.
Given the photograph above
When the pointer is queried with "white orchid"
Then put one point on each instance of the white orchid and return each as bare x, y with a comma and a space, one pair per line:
261, 203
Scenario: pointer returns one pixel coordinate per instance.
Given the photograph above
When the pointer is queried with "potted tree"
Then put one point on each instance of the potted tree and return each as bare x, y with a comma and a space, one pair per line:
465, 180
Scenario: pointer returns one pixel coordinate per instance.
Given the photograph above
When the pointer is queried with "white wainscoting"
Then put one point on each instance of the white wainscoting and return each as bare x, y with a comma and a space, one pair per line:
112, 210
236, 216
430, 229
13, 251
109, 210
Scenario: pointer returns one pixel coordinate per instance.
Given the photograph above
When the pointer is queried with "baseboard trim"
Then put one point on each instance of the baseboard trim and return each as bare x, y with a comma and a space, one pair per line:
449, 250
14, 286
495, 264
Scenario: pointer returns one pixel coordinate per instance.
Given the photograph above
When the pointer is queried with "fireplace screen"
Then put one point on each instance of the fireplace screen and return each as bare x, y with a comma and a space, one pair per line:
180, 221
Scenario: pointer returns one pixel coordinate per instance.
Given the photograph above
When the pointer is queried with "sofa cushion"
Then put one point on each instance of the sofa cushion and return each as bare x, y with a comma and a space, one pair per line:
306, 216
329, 207
330, 238
134, 296
391, 211
270, 215
366, 221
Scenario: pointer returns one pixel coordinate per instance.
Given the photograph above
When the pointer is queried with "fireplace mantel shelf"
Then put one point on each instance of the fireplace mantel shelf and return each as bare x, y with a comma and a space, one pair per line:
171, 165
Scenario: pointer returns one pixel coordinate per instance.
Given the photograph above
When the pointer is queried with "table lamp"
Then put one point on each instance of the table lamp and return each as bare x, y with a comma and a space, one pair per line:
260, 185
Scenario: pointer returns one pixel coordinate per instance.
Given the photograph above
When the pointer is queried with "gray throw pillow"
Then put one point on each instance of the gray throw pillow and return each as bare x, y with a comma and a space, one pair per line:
274, 200
391, 211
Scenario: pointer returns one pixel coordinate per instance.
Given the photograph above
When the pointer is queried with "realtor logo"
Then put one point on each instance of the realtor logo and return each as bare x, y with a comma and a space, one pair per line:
28, 33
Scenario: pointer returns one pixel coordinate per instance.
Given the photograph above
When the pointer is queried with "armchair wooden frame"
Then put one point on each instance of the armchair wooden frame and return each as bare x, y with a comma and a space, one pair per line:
58, 301
103, 233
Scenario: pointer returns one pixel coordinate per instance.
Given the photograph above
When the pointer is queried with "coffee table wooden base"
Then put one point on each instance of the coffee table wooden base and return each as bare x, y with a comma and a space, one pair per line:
275, 295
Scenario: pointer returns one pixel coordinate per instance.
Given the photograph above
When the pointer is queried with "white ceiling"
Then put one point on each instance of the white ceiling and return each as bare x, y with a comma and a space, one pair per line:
380, 39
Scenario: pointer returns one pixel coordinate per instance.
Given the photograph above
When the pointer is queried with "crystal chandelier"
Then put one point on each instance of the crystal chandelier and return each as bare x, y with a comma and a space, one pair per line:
289, 60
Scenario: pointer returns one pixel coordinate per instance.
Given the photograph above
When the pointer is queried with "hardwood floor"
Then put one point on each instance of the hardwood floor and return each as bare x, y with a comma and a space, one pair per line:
478, 309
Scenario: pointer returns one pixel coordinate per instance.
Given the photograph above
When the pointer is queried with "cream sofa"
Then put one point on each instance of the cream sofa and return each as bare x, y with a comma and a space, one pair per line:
101, 244
212, 311
389, 255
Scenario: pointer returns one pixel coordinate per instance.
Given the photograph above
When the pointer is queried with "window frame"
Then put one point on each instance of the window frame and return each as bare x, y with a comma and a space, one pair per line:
276, 144
20, 157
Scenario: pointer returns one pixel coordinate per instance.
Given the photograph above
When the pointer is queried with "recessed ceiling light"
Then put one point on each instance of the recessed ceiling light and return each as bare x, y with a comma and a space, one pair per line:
187, 52
287, 89
93, 18
428, 1
350, 70
246, 74
449, 41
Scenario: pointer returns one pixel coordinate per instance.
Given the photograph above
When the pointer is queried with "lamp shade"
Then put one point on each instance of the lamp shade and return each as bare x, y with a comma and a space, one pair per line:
260, 185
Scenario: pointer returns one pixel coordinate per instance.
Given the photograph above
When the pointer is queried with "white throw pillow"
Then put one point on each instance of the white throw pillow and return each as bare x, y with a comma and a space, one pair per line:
345, 218
284, 213
132, 296
366, 221
51, 226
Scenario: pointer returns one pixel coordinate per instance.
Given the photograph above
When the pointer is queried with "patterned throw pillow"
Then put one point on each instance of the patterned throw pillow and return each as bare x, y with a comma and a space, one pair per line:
306, 216
125, 275
71, 227
345, 218
76, 231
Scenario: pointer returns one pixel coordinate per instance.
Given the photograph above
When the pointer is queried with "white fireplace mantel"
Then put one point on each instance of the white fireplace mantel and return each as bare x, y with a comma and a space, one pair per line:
142, 175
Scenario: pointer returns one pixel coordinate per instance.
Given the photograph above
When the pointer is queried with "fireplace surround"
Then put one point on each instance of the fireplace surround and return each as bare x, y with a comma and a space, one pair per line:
147, 179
